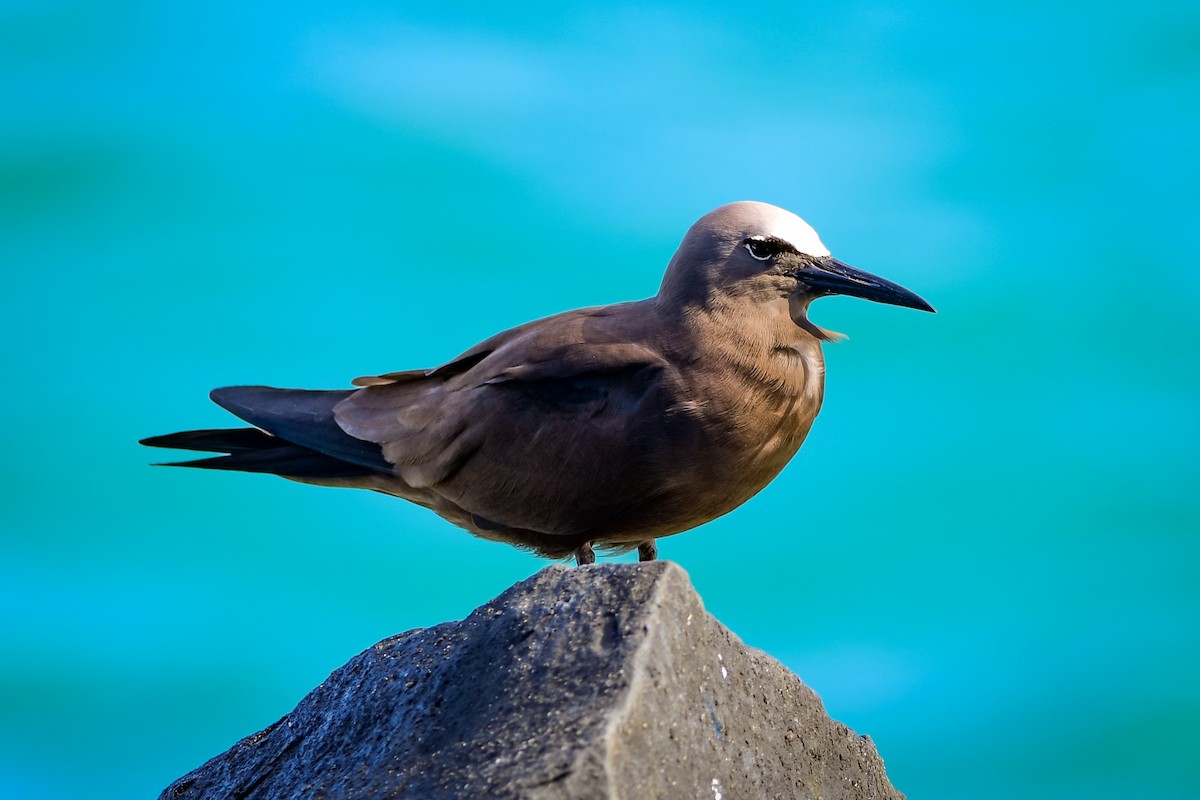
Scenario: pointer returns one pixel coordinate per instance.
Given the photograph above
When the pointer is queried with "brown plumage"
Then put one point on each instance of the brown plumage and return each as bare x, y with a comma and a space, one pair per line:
612, 426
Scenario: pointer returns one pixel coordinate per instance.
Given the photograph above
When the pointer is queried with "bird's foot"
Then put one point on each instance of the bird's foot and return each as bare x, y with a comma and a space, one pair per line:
585, 555
648, 551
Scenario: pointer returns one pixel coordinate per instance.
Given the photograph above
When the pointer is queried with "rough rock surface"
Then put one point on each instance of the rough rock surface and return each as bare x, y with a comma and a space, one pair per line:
606, 681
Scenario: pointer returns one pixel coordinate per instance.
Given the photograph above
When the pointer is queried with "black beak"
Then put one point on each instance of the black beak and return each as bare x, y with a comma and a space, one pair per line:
827, 275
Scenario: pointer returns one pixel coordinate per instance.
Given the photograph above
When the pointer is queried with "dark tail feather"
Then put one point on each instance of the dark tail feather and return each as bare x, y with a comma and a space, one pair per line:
226, 440
252, 450
296, 435
289, 461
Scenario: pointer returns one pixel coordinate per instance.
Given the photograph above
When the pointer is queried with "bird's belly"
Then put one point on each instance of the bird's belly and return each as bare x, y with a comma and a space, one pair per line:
676, 468
733, 457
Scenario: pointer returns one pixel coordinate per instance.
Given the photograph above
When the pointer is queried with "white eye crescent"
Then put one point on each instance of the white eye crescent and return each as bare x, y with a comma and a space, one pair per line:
759, 248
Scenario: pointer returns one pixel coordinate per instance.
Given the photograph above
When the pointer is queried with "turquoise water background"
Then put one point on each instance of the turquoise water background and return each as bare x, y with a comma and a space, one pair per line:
986, 556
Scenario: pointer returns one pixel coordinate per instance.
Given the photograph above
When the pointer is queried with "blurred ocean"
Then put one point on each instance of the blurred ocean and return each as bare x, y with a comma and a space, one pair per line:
987, 554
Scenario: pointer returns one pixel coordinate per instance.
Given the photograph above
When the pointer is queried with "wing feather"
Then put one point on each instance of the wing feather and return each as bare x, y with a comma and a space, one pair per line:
534, 429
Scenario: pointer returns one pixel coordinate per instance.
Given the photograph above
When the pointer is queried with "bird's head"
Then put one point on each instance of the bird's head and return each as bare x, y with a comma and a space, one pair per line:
759, 253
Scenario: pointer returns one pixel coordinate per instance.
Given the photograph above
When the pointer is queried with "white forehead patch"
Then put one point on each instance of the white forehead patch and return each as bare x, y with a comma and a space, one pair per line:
750, 218
787, 226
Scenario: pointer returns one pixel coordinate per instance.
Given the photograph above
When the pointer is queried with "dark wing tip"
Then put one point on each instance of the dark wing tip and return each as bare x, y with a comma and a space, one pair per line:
231, 397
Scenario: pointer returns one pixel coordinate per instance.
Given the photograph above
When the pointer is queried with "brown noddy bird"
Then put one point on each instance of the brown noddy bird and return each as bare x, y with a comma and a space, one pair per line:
609, 426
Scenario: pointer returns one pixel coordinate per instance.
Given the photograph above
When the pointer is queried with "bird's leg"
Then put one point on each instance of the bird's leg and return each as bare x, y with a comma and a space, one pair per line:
585, 555
648, 551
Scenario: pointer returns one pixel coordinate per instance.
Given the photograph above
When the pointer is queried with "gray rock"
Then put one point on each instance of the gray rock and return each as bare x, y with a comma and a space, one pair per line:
606, 681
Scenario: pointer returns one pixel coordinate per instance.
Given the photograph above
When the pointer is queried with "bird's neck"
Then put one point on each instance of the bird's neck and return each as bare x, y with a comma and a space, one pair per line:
755, 382
762, 345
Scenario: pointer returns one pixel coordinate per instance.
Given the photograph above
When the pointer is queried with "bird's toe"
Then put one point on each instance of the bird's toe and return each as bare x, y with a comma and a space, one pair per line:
585, 555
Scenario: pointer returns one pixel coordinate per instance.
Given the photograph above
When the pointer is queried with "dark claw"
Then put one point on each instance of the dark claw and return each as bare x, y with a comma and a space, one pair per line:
585, 555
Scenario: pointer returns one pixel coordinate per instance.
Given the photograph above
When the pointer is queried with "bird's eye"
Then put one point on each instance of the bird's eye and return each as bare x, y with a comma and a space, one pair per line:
760, 248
